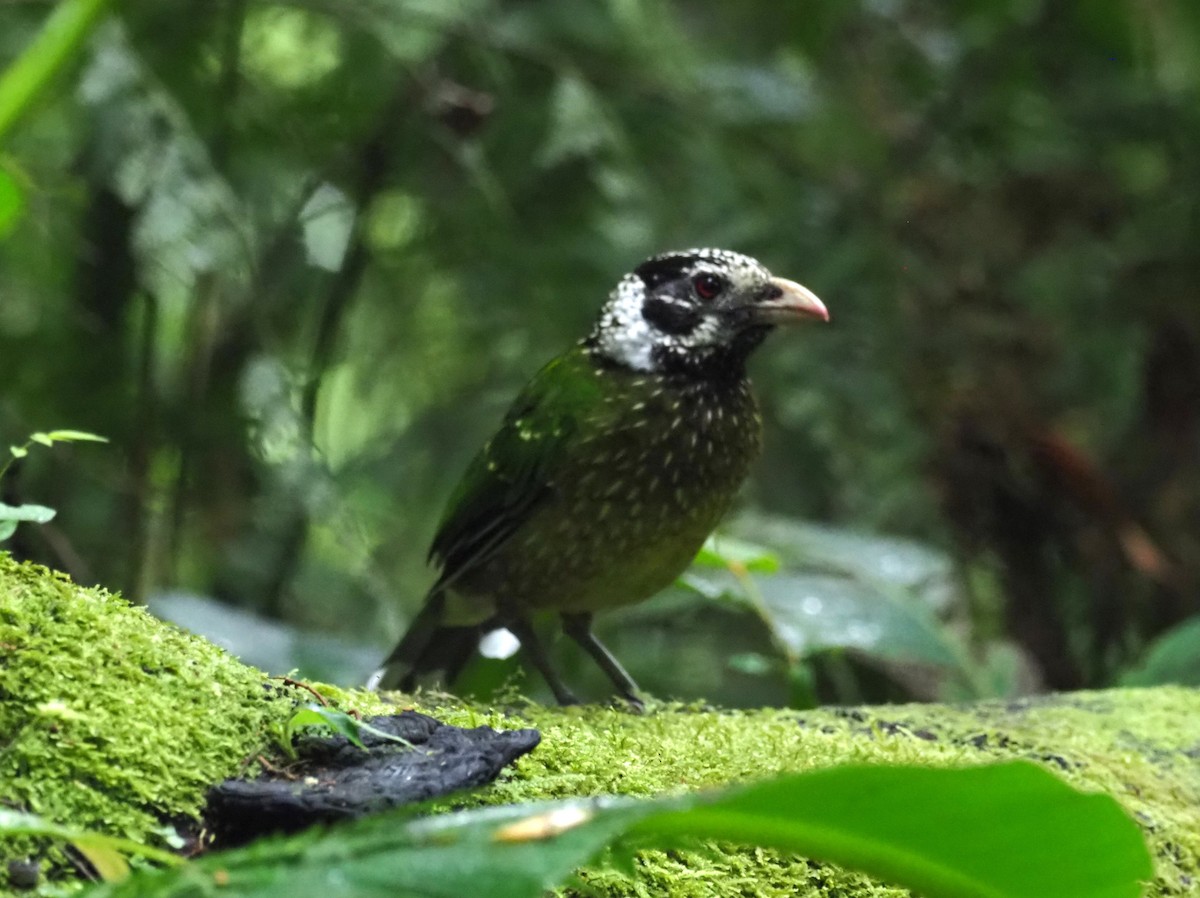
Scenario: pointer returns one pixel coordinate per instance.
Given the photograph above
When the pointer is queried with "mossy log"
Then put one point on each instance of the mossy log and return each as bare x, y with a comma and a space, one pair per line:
111, 720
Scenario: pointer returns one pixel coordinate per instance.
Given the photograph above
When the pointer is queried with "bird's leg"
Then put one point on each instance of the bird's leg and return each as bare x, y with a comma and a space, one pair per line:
579, 628
523, 630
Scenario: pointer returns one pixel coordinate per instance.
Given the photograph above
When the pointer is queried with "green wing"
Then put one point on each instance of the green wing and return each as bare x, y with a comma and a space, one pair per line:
512, 474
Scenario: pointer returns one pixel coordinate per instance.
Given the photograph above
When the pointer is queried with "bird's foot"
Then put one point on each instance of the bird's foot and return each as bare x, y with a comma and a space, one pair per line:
565, 697
630, 701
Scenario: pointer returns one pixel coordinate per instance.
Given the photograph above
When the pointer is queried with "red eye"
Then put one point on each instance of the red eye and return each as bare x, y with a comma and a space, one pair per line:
707, 286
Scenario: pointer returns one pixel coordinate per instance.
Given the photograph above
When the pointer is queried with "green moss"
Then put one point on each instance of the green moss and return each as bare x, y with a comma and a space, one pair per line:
112, 720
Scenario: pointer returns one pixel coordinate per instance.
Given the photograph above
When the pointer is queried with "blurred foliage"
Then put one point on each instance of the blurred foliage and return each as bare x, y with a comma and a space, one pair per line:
294, 259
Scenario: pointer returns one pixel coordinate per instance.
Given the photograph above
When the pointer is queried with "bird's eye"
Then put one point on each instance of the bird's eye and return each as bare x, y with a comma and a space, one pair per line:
707, 286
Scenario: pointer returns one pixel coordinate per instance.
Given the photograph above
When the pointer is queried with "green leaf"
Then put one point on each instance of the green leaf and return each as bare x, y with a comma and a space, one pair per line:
1004, 831
42, 438
813, 612
12, 203
868, 557
341, 723
75, 436
1172, 658
508, 852
843, 589
18, 451
38, 514
314, 715
951, 833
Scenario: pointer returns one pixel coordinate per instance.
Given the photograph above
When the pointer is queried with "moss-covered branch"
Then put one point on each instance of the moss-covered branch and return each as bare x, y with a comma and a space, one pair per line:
114, 721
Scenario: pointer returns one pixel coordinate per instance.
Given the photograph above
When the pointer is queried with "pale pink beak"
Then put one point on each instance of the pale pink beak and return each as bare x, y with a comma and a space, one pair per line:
792, 304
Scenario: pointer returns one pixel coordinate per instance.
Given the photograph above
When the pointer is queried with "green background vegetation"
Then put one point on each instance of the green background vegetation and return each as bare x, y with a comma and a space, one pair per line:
293, 259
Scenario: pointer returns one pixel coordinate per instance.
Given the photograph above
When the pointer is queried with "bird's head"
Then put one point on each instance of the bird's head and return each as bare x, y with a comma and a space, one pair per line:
699, 311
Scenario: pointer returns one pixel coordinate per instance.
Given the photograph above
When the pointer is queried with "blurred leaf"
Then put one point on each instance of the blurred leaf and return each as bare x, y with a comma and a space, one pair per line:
37, 514
944, 832
190, 221
754, 93
1173, 658
499, 853
11, 515
328, 219
110, 865
70, 22
887, 560
729, 551
75, 436
811, 612
273, 646
841, 589
754, 663
579, 126
12, 203
104, 852
292, 48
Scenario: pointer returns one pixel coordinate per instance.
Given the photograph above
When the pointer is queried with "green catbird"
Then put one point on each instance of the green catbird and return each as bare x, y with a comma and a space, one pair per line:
610, 468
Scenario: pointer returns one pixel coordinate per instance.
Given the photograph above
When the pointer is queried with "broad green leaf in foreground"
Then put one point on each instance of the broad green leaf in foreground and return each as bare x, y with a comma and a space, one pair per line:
1001, 830
1004, 831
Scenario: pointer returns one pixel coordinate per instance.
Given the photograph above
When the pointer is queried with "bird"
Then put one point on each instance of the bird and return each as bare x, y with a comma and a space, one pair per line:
609, 470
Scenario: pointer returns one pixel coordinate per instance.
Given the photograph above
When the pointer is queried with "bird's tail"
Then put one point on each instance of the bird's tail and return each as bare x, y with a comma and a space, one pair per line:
428, 646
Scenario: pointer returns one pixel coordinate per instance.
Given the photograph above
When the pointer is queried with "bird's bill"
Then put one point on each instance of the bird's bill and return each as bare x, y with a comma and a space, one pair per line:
794, 303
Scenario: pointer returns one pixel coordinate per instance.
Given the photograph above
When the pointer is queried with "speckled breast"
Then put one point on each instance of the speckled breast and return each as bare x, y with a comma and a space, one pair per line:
646, 482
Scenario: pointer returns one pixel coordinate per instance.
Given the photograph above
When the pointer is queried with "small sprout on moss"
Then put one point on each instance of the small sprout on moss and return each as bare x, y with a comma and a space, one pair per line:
340, 722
